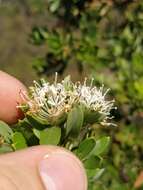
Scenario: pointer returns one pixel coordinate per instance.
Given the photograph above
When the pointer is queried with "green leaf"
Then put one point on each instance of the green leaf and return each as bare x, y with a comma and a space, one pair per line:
74, 121
5, 131
36, 133
5, 148
101, 146
50, 136
19, 141
99, 172
94, 174
54, 5
93, 117
85, 148
36, 122
24, 127
23, 123
92, 162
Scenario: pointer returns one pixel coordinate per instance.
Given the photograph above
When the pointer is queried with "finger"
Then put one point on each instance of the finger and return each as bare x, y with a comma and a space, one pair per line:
42, 167
9, 97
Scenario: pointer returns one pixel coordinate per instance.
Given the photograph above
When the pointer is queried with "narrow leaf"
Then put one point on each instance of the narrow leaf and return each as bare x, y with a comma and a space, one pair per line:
94, 174
75, 121
36, 133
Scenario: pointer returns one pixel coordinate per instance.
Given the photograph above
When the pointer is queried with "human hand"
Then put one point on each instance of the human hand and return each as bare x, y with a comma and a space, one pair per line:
41, 166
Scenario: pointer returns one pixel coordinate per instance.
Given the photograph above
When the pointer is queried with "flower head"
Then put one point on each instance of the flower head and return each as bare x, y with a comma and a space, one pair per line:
55, 100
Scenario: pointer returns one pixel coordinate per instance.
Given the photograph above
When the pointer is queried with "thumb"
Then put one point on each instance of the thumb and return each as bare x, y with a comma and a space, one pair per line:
42, 167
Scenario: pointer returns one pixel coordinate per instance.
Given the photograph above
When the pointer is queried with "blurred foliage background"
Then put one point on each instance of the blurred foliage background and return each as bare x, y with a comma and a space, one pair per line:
102, 39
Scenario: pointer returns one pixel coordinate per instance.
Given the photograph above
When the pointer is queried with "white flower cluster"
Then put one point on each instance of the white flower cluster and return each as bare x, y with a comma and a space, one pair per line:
52, 100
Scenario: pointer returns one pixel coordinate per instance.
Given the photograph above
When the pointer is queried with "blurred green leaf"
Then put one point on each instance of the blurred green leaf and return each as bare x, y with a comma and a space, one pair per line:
101, 146
75, 121
37, 133
54, 5
50, 136
19, 141
5, 131
36, 122
93, 117
39, 35
92, 162
94, 174
85, 147
5, 148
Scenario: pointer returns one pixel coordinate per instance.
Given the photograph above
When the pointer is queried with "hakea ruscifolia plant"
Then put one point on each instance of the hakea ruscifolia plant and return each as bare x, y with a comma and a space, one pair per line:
63, 113
71, 106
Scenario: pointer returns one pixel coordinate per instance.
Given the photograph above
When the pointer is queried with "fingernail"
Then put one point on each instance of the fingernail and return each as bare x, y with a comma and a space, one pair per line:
62, 171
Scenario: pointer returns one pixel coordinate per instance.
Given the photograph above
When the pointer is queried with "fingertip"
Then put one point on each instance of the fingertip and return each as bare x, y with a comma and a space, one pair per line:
9, 98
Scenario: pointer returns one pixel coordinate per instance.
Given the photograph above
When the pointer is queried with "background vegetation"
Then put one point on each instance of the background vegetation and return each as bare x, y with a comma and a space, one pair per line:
100, 39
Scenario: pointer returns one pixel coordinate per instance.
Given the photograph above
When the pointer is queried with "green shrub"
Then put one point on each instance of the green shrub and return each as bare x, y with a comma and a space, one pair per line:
105, 38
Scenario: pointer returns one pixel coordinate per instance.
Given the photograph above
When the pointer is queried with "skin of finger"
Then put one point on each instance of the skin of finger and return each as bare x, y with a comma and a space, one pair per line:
20, 169
10, 88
